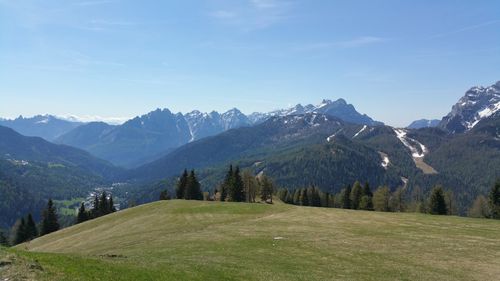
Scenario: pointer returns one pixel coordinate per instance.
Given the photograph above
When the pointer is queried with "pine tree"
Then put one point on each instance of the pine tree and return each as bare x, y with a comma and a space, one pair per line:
225, 186
494, 200
49, 219
20, 233
164, 195
82, 214
3, 239
180, 189
103, 204
193, 188
366, 190
95, 208
355, 196
266, 189
346, 197
111, 204
237, 189
31, 230
314, 195
437, 203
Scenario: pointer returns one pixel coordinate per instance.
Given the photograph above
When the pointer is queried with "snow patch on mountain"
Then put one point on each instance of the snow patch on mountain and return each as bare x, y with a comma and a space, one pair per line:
360, 131
416, 152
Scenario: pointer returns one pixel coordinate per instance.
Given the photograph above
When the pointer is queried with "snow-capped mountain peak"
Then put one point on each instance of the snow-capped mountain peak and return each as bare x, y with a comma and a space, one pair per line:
477, 104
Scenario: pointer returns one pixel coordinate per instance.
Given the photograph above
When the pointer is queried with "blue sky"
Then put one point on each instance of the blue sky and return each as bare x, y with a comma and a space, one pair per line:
394, 60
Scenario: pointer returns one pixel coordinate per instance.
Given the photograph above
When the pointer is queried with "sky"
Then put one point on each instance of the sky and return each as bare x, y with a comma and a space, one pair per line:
396, 61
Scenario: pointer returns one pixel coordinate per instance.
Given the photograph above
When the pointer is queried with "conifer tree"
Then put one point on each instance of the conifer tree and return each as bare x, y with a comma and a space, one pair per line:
31, 230
3, 239
82, 214
437, 203
237, 189
103, 204
225, 186
193, 188
180, 189
111, 204
20, 233
494, 200
95, 208
355, 196
49, 219
346, 197
165, 195
314, 195
266, 189
366, 190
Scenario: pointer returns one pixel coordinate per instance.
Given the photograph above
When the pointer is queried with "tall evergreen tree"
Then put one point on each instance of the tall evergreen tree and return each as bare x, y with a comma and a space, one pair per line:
103, 204
31, 230
346, 197
83, 215
366, 190
49, 219
20, 233
95, 207
494, 200
314, 195
266, 189
236, 190
3, 239
355, 196
296, 199
437, 203
193, 188
224, 188
111, 204
180, 189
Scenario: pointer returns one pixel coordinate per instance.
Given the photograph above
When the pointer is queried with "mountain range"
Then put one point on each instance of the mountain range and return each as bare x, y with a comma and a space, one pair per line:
150, 136
329, 145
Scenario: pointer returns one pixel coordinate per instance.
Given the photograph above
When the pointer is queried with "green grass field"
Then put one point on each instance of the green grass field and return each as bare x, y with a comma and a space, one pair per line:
187, 240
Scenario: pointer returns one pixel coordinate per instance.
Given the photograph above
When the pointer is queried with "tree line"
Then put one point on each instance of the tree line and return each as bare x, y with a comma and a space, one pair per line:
237, 186
361, 197
25, 229
101, 206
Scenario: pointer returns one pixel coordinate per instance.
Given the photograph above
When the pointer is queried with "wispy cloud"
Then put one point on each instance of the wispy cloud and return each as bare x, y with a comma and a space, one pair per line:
465, 29
94, 3
223, 14
255, 14
346, 44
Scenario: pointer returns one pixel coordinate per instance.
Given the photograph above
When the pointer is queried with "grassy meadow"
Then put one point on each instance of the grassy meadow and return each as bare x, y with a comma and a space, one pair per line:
195, 240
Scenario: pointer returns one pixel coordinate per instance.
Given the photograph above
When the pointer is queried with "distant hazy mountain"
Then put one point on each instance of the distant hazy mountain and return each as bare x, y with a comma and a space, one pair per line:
32, 170
424, 123
339, 108
477, 104
148, 137
45, 126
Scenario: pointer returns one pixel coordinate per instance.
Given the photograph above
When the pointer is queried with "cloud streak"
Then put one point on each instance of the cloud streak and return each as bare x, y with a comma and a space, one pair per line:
347, 44
465, 29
